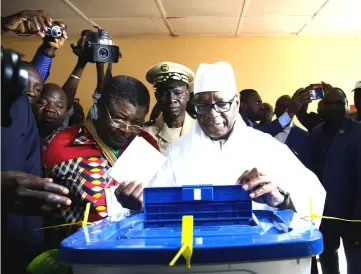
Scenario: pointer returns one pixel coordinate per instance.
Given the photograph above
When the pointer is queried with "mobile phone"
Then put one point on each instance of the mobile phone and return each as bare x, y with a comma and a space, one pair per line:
317, 92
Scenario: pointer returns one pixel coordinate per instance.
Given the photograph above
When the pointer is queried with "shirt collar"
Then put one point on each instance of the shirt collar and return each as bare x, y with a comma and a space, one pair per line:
250, 123
83, 138
288, 128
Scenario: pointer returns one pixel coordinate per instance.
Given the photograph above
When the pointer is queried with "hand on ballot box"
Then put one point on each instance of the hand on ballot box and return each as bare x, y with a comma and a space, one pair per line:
263, 189
130, 195
133, 170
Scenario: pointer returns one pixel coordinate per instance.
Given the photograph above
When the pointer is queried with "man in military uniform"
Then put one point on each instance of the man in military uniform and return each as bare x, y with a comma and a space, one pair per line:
171, 82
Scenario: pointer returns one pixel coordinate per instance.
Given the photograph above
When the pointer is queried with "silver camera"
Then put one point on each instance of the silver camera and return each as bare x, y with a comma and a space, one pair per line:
54, 31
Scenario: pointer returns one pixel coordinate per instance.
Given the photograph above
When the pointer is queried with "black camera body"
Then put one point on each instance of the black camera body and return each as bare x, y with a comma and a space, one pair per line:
14, 75
100, 48
98, 53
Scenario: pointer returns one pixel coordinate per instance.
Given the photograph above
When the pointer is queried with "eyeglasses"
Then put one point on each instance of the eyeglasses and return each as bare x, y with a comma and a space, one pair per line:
219, 107
119, 123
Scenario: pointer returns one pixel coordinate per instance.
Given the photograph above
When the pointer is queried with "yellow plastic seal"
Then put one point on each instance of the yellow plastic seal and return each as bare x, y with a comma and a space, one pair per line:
187, 242
315, 216
84, 222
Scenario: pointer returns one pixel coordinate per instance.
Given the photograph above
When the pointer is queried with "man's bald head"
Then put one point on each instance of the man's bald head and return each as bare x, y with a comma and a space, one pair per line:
251, 106
30, 68
267, 114
35, 83
335, 105
284, 98
54, 88
282, 104
268, 107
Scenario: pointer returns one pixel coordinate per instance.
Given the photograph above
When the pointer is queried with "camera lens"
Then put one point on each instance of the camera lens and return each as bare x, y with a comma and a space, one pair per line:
103, 53
14, 75
56, 32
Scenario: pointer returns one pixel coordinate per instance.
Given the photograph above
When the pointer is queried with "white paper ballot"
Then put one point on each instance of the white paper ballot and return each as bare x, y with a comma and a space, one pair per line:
139, 162
115, 210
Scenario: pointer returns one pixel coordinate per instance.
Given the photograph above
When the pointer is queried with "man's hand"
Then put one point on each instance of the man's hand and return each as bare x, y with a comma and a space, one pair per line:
28, 22
300, 97
78, 49
326, 87
56, 43
29, 192
130, 195
263, 190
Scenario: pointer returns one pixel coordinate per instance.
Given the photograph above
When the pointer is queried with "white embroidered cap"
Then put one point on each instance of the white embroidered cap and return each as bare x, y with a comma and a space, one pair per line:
215, 77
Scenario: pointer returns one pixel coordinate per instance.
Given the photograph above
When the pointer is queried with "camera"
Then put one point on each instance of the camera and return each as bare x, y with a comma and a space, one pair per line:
100, 48
14, 75
316, 92
54, 31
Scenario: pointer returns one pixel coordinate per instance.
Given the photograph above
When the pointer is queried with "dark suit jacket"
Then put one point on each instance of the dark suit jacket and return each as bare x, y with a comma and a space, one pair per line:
300, 143
20, 151
298, 140
341, 174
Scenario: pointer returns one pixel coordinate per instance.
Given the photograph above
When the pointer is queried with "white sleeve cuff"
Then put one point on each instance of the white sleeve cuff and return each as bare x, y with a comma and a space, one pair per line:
285, 119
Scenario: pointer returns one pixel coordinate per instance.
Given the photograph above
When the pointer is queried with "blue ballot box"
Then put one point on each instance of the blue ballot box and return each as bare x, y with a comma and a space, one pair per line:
228, 236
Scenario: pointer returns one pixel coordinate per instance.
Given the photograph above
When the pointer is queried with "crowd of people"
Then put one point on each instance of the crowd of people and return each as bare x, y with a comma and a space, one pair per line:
55, 159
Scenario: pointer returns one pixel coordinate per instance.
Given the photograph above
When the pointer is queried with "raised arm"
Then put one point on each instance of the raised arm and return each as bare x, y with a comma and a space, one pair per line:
26, 23
71, 85
101, 80
43, 58
298, 99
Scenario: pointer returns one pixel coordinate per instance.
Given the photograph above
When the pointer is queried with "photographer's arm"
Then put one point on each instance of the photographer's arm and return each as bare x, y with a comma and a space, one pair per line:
100, 77
42, 62
26, 22
43, 58
71, 85
93, 111
303, 116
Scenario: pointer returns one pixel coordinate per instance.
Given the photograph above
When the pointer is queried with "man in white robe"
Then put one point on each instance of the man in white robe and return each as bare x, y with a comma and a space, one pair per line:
221, 150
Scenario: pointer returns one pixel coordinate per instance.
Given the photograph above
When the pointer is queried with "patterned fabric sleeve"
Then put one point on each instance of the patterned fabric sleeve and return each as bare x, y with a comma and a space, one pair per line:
86, 178
73, 159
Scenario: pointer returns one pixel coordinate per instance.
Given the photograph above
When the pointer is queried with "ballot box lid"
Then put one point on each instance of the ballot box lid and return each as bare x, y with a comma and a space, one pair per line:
209, 205
226, 230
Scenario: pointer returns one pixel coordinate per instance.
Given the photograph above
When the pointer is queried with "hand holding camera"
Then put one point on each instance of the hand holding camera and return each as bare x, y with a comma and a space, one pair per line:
96, 47
55, 36
78, 49
27, 22
318, 91
300, 97
326, 87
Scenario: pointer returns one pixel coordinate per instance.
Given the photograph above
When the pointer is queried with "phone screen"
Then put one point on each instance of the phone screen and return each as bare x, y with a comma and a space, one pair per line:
317, 92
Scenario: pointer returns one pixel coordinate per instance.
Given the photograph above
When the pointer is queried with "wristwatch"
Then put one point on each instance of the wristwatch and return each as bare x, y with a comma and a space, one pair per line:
286, 201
